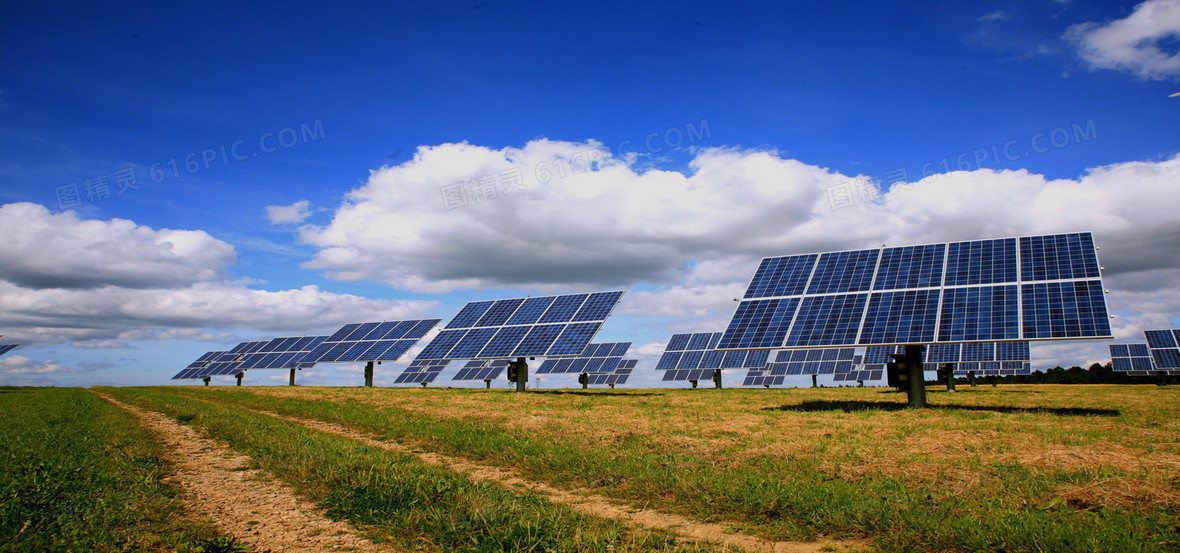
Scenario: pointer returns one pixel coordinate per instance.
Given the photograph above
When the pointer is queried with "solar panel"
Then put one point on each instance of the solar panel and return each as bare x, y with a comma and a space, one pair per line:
363, 342
596, 358
992, 359
194, 370
282, 353
482, 369
759, 377
811, 361
421, 372
1131, 358
616, 377
5, 348
1164, 348
548, 326
1007, 289
689, 356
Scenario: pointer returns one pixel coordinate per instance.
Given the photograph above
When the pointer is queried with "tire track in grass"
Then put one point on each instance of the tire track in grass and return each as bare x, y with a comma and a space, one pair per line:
586, 502
248, 504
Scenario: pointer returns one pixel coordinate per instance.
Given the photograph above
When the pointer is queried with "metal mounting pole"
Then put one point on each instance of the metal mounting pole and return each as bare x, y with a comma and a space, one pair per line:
240, 378
522, 373
489, 383
292, 381
814, 383
207, 379
717, 378
368, 374
917, 380
950, 377
694, 383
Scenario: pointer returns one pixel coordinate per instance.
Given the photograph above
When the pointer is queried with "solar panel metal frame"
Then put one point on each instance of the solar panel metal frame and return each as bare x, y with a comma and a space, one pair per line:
1130, 358
540, 326
5, 348
924, 294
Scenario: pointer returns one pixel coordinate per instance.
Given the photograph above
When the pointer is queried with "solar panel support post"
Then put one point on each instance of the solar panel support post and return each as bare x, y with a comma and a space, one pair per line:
239, 376
916, 391
717, 378
584, 380
522, 374
207, 379
694, 383
950, 376
814, 382
369, 374
291, 381
488, 382
971, 378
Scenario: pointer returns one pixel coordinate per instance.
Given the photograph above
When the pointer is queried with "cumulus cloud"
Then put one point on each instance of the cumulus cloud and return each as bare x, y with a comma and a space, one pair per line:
21, 365
1133, 44
98, 284
45, 250
694, 240
288, 214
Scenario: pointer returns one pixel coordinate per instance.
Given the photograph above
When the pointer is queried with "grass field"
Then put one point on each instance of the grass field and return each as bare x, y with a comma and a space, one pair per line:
1010, 468
78, 474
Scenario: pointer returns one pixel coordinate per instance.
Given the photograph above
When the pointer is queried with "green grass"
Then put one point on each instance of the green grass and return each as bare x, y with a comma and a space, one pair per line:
1014, 468
396, 497
79, 474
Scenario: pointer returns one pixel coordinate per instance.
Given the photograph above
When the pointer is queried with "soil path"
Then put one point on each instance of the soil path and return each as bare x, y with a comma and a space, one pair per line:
589, 503
246, 503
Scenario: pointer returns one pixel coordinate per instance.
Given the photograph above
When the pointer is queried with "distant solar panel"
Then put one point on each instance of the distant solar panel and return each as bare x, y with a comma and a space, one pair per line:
759, 377
421, 372
5, 348
1164, 346
1026, 288
218, 363
694, 357
615, 378
363, 342
596, 358
1131, 358
482, 369
548, 326
811, 361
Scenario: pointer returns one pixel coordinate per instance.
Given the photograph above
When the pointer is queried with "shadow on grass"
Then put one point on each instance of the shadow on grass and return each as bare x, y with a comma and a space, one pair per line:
852, 406
15, 390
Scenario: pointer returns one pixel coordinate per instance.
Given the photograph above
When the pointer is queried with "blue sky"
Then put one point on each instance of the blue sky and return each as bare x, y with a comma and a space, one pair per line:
175, 179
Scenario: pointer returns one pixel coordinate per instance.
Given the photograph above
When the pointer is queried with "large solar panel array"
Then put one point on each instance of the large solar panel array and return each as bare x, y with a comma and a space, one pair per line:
481, 369
362, 342
5, 348
545, 326
596, 358
421, 371
1164, 346
617, 377
288, 352
218, 363
1131, 358
811, 361
695, 357
983, 358
1027, 288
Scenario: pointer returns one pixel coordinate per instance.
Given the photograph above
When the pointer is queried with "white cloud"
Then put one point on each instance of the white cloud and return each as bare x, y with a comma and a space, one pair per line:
998, 15
288, 214
1133, 43
99, 284
45, 250
21, 365
695, 240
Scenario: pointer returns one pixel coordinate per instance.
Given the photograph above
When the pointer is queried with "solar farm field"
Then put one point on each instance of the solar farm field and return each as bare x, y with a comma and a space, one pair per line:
1009, 468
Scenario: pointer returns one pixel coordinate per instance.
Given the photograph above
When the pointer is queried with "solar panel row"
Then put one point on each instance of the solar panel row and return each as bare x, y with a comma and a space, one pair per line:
811, 361
697, 353
758, 377
363, 342
1131, 358
482, 370
1033, 287
421, 372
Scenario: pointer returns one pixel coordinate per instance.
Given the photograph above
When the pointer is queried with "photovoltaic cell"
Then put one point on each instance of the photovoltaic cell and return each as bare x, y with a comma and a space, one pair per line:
1007, 289
596, 358
695, 362
482, 369
811, 361
282, 353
